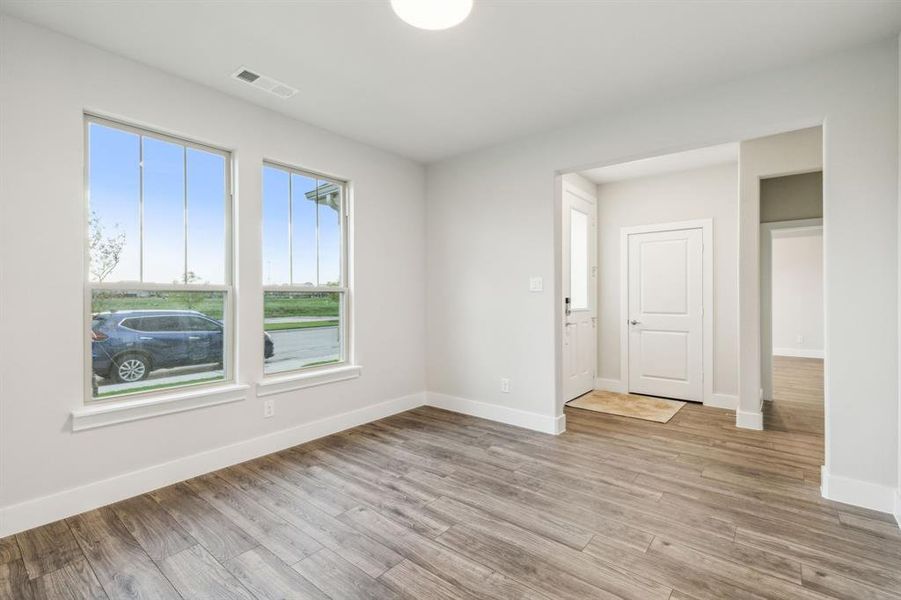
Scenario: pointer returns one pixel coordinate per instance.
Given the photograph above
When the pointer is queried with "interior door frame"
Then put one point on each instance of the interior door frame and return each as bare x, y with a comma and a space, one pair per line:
706, 227
766, 293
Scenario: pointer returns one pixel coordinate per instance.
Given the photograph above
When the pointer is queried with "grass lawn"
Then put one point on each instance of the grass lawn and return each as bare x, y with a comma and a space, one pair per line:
299, 325
276, 304
158, 386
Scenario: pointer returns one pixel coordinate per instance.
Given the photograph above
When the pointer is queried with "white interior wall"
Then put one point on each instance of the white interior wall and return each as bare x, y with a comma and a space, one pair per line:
709, 192
797, 300
492, 224
46, 82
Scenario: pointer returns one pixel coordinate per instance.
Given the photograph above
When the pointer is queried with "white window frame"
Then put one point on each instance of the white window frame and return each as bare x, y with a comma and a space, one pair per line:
227, 383
344, 367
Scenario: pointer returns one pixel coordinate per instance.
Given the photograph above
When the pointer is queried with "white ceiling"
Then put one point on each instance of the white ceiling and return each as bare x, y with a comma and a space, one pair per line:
668, 163
512, 68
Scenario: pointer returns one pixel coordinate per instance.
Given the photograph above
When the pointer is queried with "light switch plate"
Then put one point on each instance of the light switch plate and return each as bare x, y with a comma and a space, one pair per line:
536, 284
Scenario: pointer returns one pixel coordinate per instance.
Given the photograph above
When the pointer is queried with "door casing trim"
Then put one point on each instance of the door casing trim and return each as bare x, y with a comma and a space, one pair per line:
706, 227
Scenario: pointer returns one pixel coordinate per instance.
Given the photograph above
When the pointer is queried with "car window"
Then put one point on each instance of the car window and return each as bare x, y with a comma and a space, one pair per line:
199, 324
159, 323
133, 323
164, 323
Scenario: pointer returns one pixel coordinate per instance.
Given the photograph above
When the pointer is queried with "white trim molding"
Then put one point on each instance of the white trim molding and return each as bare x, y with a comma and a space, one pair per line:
706, 227
718, 400
297, 381
100, 414
554, 425
870, 495
39, 511
898, 507
749, 420
799, 352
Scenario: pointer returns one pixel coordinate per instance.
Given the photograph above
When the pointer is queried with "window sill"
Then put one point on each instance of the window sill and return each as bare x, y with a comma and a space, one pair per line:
297, 381
133, 409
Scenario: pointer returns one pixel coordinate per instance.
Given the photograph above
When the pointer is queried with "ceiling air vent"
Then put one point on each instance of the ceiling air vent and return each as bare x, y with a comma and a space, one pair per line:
267, 84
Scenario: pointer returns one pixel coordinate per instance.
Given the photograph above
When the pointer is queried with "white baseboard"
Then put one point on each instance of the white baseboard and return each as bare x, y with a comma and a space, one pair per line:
611, 385
799, 352
722, 401
40, 511
898, 507
502, 414
874, 496
749, 419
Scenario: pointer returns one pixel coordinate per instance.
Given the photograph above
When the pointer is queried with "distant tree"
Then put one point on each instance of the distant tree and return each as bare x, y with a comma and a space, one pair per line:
106, 251
188, 299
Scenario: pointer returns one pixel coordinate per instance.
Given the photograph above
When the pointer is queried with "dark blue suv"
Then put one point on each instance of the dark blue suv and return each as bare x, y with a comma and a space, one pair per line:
127, 345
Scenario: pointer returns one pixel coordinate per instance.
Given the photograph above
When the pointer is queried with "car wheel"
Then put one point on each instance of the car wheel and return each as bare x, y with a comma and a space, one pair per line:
129, 368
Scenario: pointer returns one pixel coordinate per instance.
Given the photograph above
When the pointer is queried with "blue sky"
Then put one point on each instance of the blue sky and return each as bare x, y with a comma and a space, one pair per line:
284, 192
171, 172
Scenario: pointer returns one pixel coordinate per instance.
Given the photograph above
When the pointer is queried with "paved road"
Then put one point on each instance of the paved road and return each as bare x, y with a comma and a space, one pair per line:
293, 349
296, 348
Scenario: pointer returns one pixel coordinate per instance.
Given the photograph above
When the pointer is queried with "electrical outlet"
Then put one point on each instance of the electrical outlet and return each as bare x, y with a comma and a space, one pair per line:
268, 408
505, 385
800, 339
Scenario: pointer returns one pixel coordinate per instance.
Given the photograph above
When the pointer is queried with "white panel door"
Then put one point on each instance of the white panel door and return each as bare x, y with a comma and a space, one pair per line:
580, 289
666, 314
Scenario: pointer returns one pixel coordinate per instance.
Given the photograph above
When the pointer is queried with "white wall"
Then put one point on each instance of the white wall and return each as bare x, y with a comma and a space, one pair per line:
47, 82
491, 225
798, 294
709, 192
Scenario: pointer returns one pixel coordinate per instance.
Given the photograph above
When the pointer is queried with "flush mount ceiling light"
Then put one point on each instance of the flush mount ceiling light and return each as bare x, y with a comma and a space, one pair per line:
432, 14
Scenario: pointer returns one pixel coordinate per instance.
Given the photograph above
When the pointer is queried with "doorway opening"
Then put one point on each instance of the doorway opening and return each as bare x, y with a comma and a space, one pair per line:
662, 307
791, 315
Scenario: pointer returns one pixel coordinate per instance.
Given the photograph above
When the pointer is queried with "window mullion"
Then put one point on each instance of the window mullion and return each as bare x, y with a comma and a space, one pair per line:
290, 228
184, 172
141, 208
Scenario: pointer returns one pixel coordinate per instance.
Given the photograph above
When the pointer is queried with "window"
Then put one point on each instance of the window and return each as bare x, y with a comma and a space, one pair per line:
159, 276
305, 293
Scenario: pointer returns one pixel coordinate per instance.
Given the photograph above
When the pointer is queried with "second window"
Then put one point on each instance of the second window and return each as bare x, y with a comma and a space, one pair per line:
304, 269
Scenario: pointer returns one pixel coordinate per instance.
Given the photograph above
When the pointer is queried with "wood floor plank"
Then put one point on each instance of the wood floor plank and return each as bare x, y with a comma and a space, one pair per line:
158, 533
14, 581
48, 548
75, 581
541, 551
120, 564
196, 574
266, 576
440, 560
287, 542
217, 533
340, 579
369, 555
413, 581
9, 550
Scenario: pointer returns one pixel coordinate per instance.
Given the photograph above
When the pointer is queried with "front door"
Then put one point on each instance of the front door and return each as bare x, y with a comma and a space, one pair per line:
665, 290
580, 290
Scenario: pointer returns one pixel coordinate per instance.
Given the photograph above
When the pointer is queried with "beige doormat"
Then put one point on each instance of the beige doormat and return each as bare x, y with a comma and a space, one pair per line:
629, 405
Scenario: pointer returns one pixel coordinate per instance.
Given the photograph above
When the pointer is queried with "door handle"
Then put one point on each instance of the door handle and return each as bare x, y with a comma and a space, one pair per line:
634, 322
145, 337
193, 337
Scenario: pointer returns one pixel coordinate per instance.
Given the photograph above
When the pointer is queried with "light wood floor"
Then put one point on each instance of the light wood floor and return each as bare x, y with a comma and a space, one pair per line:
797, 404
430, 504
